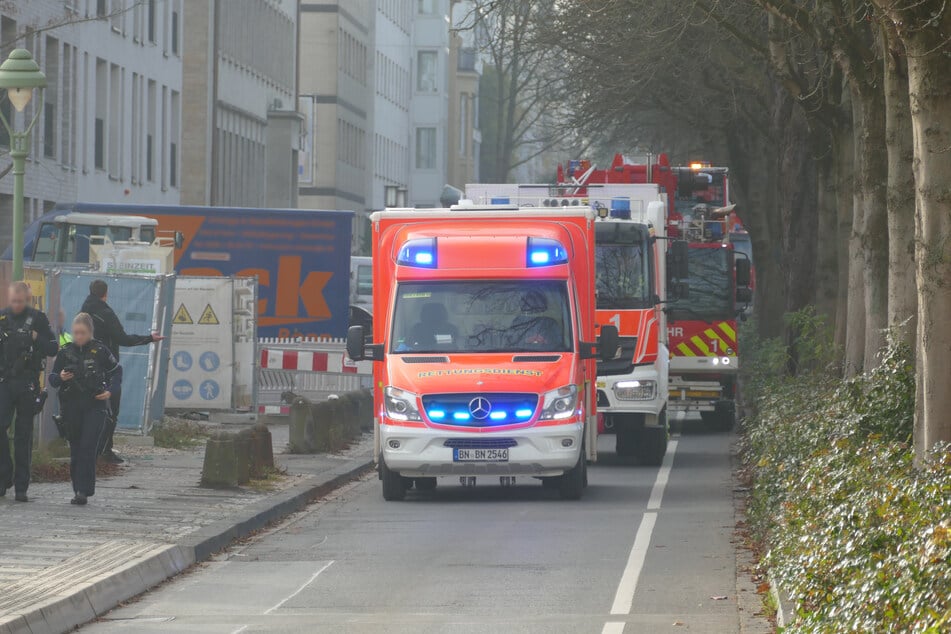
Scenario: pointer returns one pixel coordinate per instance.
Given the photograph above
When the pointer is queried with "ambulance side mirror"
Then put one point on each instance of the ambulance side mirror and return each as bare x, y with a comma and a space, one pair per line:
357, 347
608, 342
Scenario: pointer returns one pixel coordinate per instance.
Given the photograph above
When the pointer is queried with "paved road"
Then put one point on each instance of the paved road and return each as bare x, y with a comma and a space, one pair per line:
644, 551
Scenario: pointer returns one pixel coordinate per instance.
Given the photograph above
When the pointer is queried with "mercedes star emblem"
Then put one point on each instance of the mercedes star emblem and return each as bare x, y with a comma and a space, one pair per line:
480, 407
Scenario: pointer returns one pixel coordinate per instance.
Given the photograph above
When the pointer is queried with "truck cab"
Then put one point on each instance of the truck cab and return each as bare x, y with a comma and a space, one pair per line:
66, 238
484, 345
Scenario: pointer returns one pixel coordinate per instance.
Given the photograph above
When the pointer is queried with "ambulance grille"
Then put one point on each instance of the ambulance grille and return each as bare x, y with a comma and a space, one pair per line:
480, 443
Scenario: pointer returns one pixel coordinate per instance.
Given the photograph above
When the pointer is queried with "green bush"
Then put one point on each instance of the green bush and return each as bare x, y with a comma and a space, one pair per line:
858, 537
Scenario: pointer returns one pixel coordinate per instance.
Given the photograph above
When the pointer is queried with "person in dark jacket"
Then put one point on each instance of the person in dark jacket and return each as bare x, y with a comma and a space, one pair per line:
108, 330
25, 341
85, 372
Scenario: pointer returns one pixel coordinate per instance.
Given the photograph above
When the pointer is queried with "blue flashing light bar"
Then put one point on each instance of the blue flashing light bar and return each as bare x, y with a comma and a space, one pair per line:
437, 414
501, 201
523, 413
461, 416
420, 253
546, 252
621, 207
499, 415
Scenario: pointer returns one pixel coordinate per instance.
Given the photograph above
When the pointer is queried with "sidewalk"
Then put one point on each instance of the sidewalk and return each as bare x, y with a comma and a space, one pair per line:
62, 565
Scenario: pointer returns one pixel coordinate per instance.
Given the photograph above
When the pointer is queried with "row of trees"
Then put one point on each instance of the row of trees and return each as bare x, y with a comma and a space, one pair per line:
835, 119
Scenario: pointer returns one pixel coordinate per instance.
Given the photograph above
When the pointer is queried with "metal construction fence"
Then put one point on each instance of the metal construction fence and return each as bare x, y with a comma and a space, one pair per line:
311, 368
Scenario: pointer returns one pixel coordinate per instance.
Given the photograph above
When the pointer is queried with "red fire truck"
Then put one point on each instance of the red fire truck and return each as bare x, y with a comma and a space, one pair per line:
702, 326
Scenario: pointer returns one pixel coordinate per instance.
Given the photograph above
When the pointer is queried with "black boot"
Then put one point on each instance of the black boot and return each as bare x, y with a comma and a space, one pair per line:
79, 499
21, 497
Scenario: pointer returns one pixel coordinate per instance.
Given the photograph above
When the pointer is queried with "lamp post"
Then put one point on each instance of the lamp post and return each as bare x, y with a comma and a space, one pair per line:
19, 75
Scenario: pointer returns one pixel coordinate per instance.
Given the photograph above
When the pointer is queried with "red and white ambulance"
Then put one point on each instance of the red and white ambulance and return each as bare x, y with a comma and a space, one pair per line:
484, 345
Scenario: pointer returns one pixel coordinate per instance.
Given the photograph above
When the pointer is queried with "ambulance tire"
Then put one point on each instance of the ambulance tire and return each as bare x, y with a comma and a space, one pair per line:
425, 484
652, 446
571, 485
394, 488
625, 442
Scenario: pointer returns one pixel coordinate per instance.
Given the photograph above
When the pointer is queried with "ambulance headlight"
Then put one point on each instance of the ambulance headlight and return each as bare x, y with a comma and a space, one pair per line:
635, 390
400, 404
559, 404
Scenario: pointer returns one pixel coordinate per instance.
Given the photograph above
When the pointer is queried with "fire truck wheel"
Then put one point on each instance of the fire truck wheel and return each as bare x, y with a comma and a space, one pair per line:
425, 484
652, 446
625, 440
571, 485
724, 416
393, 486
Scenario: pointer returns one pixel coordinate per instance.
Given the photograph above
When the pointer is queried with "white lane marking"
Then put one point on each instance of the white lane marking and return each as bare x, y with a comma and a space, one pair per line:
313, 578
663, 475
613, 627
624, 598
635, 562
241, 629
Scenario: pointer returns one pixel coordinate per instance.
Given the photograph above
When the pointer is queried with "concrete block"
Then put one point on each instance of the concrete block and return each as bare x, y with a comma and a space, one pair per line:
301, 427
14, 624
242, 455
262, 450
64, 613
220, 468
322, 422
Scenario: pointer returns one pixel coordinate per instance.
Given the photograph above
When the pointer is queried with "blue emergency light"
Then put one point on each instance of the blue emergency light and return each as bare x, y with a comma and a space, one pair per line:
523, 413
419, 253
621, 207
546, 252
501, 201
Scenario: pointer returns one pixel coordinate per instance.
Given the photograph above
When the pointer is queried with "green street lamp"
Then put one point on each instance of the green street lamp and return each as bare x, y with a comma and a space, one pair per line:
19, 75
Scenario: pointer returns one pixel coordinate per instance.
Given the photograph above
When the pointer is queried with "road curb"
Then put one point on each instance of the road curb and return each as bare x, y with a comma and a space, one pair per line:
64, 612
785, 615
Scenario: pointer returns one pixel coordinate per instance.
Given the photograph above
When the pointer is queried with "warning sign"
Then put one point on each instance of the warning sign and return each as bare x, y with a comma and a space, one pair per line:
208, 317
182, 316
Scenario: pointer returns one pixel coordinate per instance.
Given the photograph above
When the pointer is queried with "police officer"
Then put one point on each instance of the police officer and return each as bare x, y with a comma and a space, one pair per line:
108, 330
25, 342
85, 373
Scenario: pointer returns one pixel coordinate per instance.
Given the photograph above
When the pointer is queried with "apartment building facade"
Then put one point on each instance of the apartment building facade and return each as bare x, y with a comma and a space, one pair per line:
242, 129
111, 121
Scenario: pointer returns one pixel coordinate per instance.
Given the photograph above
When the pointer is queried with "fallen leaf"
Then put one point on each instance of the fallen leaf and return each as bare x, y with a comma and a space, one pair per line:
678, 622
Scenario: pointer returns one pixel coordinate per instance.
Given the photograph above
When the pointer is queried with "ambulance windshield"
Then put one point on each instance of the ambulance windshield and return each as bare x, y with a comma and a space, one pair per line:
482, 316
622, 267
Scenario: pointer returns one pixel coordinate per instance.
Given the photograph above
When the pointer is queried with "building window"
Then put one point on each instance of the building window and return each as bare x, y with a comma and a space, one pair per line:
426, 80
49, 130
101, 9
149, 158
425, 148
151, 20
427, 7
175, 32
100, 152
463, 123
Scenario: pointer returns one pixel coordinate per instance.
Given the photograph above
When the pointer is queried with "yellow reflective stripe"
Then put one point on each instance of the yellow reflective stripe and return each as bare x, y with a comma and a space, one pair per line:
728, 331
697, 341
685, 349
710, 332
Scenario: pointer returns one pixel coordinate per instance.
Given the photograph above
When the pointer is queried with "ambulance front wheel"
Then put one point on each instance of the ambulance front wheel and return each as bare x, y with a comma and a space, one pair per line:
572, 484
394, 486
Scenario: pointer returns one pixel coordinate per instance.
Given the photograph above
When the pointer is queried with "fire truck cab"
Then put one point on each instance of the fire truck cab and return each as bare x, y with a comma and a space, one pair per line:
484, 345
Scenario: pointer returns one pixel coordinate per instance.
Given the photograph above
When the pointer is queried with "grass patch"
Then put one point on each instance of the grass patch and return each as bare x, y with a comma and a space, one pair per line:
179, 434
50, 465
267, 481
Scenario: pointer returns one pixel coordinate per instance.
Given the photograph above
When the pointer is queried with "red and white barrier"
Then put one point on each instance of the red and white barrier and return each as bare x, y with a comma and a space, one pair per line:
307, 361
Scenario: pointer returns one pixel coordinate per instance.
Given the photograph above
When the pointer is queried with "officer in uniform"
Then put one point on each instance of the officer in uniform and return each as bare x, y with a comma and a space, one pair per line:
85, 373
25, 341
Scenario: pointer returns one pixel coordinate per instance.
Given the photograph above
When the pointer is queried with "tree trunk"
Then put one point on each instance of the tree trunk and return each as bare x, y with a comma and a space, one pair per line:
929, 82
844, 157
827, 239
855, 300
902, 297
874, 178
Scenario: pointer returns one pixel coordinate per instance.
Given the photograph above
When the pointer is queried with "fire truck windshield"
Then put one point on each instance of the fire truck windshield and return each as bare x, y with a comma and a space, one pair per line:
622, 266
711, 286
699, 188
482, 316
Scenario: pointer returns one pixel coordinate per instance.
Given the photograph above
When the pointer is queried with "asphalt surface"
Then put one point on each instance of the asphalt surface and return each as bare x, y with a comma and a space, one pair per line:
647, 549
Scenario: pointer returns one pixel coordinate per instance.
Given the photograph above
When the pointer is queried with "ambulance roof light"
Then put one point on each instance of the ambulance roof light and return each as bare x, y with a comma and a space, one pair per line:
420, 253
545, 252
